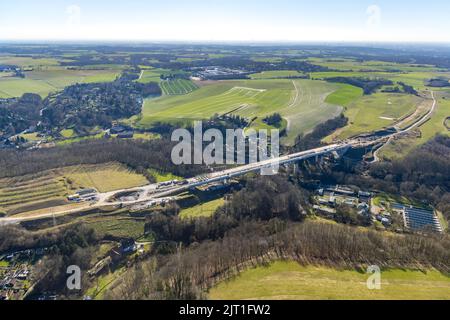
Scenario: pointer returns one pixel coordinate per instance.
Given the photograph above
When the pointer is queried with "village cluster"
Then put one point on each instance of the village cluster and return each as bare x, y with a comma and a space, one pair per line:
370, 205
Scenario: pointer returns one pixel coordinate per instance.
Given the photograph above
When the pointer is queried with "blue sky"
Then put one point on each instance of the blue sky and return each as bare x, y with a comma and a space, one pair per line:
230, 20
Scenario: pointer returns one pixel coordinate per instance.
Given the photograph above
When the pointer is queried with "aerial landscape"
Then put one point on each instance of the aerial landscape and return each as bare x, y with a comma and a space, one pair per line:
318, 170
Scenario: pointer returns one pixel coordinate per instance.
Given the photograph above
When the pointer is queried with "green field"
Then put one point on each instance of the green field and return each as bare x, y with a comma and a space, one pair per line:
310, 107
351, 65
206, 209
51, 79
67, 133
267, 59
276, 74
16, 87
434, 126
4, 264
146, 136
74, 139
27, 61
222, 97
290, 281
163, 176
300, 102
70, 136
177, 86
118, 227
60, 77
104, 178
417, 79
346, 95
152, 75
377, 111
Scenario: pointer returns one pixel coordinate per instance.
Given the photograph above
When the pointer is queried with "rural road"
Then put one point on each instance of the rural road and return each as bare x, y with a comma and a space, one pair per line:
417, 124
292, 104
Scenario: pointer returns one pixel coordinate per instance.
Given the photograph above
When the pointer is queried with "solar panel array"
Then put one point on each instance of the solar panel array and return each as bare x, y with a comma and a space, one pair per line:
419, 219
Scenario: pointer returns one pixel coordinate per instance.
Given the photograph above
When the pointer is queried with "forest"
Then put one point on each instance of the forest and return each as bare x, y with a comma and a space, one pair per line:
137, 155
18, 114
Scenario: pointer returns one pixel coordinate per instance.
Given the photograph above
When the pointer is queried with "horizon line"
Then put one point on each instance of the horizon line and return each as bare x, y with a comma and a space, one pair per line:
252, 42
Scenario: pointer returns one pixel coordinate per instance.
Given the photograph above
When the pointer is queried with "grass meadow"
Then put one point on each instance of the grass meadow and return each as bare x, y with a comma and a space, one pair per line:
177, 87
301, 102
291, 281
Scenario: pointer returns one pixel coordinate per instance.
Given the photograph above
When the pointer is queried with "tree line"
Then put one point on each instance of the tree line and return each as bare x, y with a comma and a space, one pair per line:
314, 139
136, 154
261, 199
369, 85
190, 271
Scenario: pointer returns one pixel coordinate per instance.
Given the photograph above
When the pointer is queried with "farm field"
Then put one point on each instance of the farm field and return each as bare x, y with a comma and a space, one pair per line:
50, 189
44, 82
275, 74
163, 176
193, 106
401, 147
377, 111
206, 209
266, 58
177, 87
342, 64
300, 102
104, 178
60, 77
152, 75
145, 136
309, 107
73, 139
32, 192
290, 281
345, 95
16, 87
70, 136
27, 61
122, 227
417, 79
